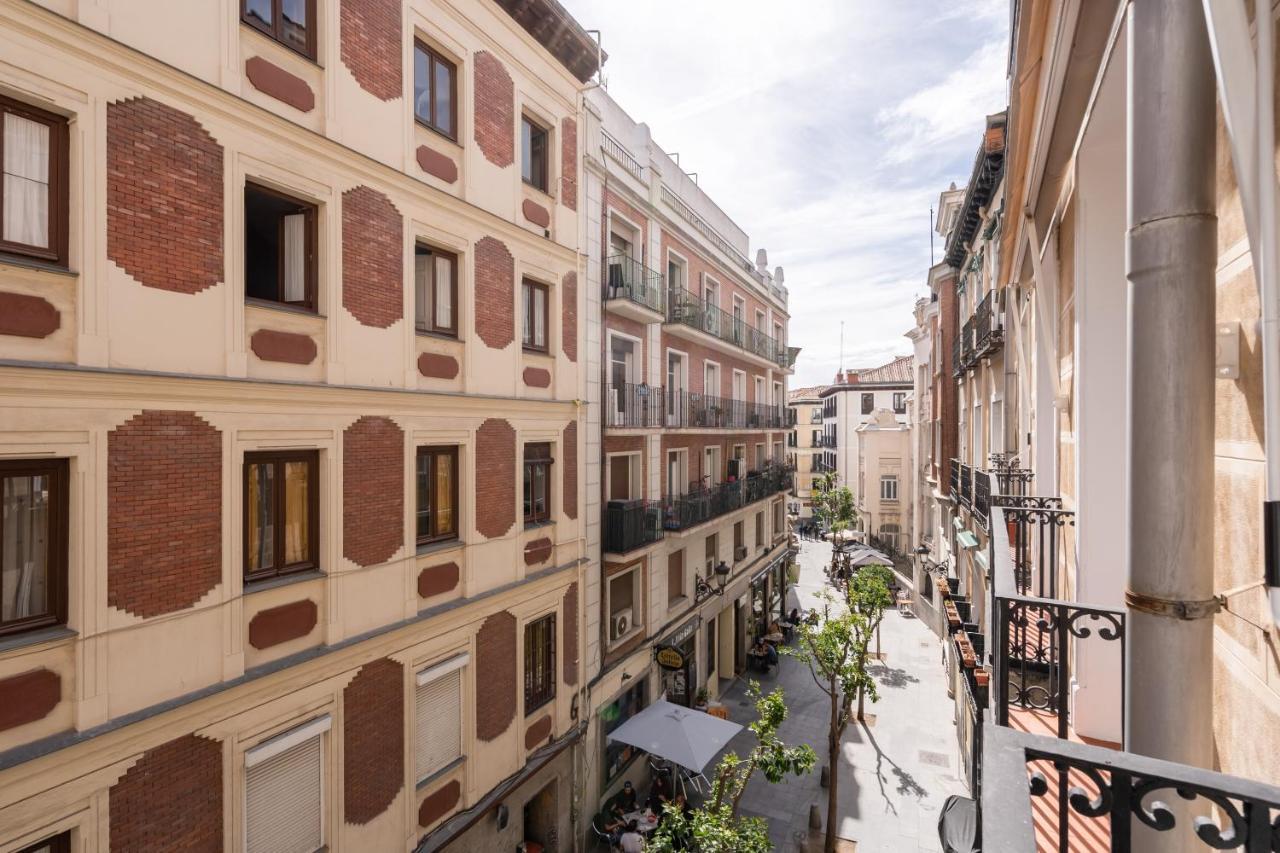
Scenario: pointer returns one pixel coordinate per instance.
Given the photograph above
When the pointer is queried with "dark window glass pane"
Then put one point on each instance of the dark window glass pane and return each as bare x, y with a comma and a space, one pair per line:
424, 496
277, 260
526, 151
261, 530
293, 24
297, 512
24, 534
444, 97
421, 85
259, 10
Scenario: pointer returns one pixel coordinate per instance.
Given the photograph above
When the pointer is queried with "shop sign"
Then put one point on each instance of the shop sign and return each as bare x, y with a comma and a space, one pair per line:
670, 658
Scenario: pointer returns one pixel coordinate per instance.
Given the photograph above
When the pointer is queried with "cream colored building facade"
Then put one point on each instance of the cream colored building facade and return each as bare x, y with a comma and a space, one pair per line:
396, 663
804, 447
883, 493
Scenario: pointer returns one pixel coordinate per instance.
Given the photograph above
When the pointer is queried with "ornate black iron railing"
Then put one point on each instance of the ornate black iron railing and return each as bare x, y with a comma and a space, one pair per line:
988, 328
688, 309
705, 503
627, 278
982, 497
707, 411
631, 524
629, 406
954, 492
966, 485
1114, 797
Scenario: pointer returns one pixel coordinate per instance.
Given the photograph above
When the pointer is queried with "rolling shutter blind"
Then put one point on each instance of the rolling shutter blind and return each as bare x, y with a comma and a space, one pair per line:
283, 794
439, 722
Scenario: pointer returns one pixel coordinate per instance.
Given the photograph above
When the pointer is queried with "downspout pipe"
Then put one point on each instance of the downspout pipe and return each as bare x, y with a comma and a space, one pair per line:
1171, 262
1267, 273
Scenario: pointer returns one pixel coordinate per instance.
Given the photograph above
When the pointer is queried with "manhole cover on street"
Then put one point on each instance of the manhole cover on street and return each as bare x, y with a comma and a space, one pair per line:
937, 759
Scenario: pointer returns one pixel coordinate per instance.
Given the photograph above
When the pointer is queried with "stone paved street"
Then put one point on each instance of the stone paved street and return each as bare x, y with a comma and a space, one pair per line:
896, 773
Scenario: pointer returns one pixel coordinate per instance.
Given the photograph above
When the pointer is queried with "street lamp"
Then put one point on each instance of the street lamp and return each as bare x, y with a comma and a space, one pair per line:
702, 590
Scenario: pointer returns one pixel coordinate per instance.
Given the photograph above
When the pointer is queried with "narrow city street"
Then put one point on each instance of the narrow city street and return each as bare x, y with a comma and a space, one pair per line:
897, 769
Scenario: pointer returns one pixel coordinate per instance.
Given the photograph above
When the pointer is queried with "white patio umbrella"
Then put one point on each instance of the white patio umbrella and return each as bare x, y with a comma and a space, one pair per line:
870, 557
680, 735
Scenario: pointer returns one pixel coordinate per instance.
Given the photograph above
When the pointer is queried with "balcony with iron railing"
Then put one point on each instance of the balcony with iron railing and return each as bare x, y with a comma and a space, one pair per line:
689, 310
681, 512
634, 291
1035, 785
988, 327
630, 406
694, 410
631, 524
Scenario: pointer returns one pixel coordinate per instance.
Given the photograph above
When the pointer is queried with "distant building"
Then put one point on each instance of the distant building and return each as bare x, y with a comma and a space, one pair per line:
882, 492
805, 446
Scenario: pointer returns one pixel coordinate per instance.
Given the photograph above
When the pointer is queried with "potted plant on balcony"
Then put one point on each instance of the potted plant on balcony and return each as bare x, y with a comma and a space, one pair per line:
700, 699
981, 677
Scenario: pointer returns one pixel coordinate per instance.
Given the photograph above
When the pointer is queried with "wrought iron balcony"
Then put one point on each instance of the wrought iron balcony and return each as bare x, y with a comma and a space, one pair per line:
680, 512
628, 279
689, 310
1113, 797
631, 524
988, 327
1011, 478
981, 497
954, 492
706, 411
966, 486
629, 406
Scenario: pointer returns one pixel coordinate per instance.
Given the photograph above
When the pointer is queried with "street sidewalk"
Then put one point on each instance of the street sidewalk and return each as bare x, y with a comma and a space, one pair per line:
895, 773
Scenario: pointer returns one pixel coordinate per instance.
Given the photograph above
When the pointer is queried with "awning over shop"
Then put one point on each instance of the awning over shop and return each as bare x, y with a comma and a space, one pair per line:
967, 539
680, 735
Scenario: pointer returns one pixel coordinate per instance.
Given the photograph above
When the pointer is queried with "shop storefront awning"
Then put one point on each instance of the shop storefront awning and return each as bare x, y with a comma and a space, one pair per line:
680, 735
967, 539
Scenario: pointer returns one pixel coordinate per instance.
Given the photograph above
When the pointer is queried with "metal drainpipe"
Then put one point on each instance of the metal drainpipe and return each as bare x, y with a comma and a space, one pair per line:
1172, 254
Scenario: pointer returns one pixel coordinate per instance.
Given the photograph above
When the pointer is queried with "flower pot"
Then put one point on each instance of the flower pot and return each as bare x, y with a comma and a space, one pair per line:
981, 677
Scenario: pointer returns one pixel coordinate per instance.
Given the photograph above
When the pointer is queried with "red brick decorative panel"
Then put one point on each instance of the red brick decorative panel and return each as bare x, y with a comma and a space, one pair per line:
495, 293
27, 316
437, 164
28, 696
372, 490
164, 512
536, 213
538, 551
569, 315
372, 257
538, 732
437, 580
537, 377
278, 625
287, 347
569, 163
495, 478
437, 366
439, 803
271, 79
495, 675
171, 799
164, 197
570, 656
372, 740
569, 452
495, 110
371, 45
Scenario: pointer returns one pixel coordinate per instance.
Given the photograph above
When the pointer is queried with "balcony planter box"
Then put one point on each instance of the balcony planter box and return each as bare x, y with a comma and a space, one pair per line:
953, 616
981, 678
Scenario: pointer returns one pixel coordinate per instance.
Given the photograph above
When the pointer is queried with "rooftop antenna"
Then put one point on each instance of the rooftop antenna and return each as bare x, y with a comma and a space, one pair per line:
930, 235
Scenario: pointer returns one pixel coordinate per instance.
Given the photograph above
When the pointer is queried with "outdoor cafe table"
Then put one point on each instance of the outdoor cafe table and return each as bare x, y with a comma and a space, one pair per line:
646, 821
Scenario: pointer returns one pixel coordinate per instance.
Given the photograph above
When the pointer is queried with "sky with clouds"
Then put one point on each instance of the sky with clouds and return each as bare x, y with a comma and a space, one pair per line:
826, 129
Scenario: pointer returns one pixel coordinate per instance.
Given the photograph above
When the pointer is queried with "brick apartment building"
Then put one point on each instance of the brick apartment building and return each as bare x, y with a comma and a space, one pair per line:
690, 348
293, 517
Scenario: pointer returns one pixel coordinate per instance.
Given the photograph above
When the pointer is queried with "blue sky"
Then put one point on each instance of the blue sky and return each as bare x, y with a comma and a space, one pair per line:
826, 129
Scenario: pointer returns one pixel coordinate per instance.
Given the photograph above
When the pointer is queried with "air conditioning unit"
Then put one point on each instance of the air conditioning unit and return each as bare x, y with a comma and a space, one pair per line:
740, 553
621, 624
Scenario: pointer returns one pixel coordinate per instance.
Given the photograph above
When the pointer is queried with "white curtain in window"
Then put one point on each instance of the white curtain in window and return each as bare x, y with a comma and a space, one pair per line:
295, 257
422, 290
539, 318
528, 332
444, 292
26, 181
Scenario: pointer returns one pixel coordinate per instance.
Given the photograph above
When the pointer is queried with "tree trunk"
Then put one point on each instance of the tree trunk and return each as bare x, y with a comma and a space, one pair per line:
833, 761
862, 666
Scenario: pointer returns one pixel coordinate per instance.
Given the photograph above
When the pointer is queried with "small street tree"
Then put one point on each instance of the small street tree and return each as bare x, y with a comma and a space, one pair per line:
834, 648
867, 594
716, 827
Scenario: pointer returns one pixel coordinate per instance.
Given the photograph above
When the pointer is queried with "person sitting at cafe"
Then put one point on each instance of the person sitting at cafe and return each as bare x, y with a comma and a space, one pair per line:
770, 656
759, 654
626, 802
774, 628
659, 793
632, 841
611, 825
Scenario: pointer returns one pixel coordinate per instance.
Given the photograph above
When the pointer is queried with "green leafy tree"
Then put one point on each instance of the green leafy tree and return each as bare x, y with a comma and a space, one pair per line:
833, 504
834, 648
867, 594
717, 827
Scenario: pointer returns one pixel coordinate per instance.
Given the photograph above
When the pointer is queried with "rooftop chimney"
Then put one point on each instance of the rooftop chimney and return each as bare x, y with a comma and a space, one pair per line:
762, 262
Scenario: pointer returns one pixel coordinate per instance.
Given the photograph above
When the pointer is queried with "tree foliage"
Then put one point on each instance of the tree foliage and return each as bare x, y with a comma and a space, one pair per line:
833, 504
717, 827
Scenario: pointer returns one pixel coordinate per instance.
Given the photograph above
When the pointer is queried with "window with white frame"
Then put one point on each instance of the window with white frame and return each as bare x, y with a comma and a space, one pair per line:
711, 465
677, 472
624, 476
739, 386
624, 603
889, 487
284, 790
438, 716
